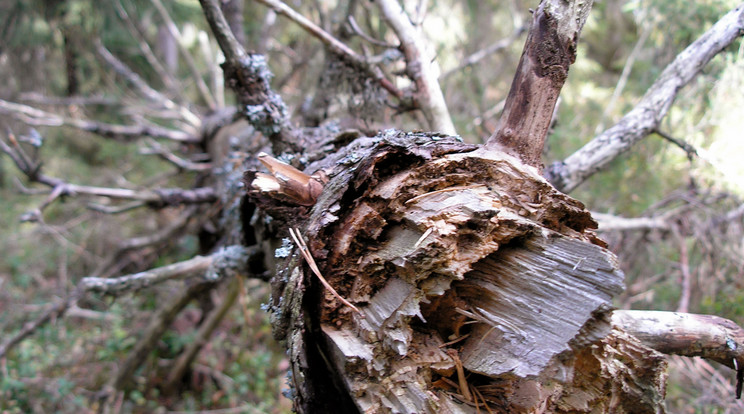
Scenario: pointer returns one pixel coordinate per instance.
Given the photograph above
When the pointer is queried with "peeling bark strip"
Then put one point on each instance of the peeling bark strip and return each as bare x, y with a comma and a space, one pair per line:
479, 285
548, 52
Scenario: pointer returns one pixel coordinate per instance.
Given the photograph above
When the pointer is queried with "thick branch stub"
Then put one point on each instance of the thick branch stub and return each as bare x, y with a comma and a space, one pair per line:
707, 336
548, 52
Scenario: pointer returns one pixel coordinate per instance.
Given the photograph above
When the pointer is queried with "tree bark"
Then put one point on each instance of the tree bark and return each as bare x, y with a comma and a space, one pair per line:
478, 286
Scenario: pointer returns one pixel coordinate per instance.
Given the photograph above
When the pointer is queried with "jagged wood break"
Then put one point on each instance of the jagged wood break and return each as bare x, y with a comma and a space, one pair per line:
480, 287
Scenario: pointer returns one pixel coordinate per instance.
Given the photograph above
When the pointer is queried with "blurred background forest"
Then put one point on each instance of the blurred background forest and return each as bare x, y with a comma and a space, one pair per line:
680, 240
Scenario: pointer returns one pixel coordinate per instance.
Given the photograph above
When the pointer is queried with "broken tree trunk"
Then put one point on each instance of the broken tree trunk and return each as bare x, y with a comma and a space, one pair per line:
476, 286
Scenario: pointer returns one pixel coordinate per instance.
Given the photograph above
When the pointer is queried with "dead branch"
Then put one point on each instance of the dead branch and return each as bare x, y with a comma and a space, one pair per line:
34, 116
645, 117
549, 50
156, 148
248, 75
419, 67
202, 336
201, 86
334, 45
170, 82
136, 281
686, 147
686, 334
59, 188
609, 222
222, 264
478, 56
144, 89
213, 267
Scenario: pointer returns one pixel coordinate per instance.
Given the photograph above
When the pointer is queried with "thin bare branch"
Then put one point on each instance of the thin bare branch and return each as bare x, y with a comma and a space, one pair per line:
202, 336
148, 92
37, 117
334, 45
478, 56
195, 75
170, 82
645, 117
419, 67
156, 148
221, 264
686, 147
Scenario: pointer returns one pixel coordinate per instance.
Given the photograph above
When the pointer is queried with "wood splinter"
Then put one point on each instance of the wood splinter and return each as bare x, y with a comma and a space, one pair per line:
300, 242
288, 183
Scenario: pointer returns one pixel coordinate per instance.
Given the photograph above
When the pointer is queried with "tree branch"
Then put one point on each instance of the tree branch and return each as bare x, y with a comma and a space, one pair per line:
195, 75
224, 263
334, 45
148, 92
34, 116
647, 115
429, 96
686, 334
549, 50
248, 75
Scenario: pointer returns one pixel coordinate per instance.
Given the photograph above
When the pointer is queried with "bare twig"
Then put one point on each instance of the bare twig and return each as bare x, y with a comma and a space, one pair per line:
195, 75
687, 148
136, 31
359, 32
419, 67
148, 92
34, 116
333, 44
156, 148
647, 115
202, 336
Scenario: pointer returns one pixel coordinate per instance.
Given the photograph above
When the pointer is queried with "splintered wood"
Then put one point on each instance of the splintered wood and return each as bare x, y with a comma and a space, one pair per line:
479, 287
